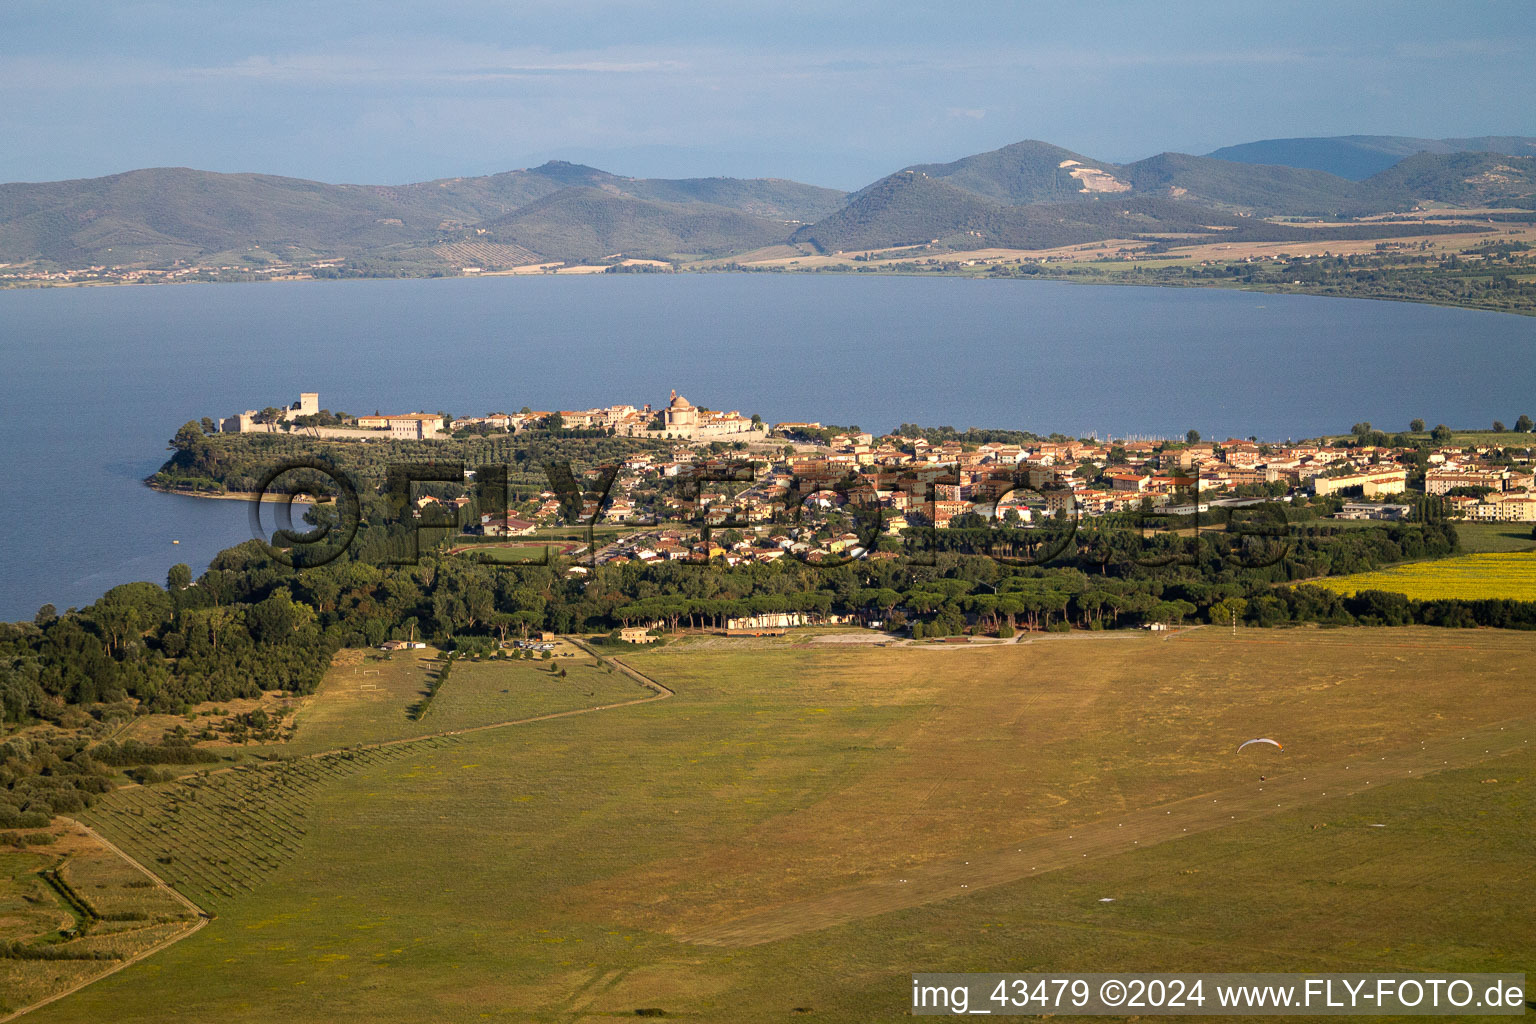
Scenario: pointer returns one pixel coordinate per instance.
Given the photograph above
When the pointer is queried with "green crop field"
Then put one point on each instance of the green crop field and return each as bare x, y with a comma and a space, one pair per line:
804, 824
1481, 537
1508, 575
1507, 439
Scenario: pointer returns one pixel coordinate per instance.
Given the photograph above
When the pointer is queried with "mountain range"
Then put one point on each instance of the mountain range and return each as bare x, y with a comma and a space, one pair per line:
1029, 195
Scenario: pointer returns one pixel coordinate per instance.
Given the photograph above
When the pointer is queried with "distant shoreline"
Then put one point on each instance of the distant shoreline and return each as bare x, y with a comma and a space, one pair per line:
306, 499
1067, 278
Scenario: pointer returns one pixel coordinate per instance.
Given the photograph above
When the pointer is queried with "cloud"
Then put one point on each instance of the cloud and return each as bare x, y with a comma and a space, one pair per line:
428, 62
417, 65
372, 98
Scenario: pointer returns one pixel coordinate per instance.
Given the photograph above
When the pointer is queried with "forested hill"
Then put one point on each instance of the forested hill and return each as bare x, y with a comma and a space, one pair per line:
1357, 157
1032, 195
1025, 172
1027, 195
1035, 172
911, 208
175, 213
1465, 179
578, 222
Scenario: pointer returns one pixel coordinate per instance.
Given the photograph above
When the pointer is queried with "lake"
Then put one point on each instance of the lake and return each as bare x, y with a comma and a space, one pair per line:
96, 379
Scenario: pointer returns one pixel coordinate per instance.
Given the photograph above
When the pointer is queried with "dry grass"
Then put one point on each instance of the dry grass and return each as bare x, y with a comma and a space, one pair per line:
366, 698
208, 715
1031, 740
557, 871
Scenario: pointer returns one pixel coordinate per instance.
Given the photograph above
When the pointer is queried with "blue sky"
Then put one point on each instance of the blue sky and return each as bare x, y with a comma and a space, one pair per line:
832, 93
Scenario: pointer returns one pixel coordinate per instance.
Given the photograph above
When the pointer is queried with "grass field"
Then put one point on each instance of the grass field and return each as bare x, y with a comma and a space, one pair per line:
1506, 439
802, 826
1486, 537
218, 835
1505, 574
366, 699
538, 554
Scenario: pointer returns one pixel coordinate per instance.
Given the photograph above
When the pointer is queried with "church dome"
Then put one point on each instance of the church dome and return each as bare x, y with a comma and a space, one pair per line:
679, 402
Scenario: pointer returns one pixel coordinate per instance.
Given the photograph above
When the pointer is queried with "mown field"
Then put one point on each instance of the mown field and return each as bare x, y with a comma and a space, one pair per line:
536, 554
1508, 575
803, 825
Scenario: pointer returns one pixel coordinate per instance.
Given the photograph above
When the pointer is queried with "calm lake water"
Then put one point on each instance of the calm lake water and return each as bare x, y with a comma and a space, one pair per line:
95, 380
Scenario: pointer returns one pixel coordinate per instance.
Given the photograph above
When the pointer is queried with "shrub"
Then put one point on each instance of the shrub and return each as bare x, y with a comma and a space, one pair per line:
134, 752
17, 951
150, 776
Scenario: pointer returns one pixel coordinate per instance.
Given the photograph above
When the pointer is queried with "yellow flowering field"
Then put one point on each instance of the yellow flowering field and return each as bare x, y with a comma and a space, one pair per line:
1505, 574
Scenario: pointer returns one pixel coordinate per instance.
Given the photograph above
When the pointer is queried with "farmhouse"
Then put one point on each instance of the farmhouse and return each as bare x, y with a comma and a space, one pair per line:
637, 635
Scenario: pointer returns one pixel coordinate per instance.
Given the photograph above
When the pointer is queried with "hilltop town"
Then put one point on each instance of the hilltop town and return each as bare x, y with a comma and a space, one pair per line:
799, 489
679, 420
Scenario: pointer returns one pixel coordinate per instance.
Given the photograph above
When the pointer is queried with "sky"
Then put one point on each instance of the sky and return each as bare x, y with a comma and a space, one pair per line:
831, 93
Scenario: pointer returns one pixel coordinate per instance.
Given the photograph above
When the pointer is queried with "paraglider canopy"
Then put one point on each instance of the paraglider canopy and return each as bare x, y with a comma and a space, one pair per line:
1261, 739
